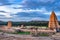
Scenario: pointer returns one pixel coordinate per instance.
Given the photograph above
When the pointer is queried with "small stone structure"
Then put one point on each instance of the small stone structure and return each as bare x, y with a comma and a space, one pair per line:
9, 25
34, 31
22, 26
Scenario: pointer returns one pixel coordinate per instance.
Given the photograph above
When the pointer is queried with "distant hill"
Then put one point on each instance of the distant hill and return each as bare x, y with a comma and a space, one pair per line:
29, 23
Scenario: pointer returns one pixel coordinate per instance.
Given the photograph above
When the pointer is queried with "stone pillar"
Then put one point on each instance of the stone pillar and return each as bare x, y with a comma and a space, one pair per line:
53, 22
9, 24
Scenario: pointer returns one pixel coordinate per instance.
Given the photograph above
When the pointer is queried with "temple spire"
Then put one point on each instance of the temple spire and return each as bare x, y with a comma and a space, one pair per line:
53, 22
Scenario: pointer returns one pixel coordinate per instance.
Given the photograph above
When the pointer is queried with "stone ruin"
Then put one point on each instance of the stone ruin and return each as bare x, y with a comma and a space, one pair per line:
34, 31
53, 24
9, 25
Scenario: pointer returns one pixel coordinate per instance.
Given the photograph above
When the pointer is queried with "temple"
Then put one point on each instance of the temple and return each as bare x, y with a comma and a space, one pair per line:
53, 22
53, 27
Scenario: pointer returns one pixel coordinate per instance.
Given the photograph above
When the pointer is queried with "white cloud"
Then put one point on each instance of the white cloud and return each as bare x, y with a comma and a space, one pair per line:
9, 10
37, 18
42, 10
5, 14
16, 6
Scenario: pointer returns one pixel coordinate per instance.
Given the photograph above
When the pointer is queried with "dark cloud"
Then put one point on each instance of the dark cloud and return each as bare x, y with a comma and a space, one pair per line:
3, 11
35, 3
32, 15
48, 4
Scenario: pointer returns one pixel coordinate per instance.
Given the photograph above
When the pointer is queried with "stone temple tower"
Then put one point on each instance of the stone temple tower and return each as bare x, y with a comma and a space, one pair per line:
9, 24
53, 22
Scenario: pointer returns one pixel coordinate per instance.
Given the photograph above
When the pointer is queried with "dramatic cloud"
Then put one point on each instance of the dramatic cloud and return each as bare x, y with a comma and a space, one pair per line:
27, 10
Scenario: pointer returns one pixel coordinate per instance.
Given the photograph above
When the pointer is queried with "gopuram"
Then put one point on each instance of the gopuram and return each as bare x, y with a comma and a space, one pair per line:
53, 22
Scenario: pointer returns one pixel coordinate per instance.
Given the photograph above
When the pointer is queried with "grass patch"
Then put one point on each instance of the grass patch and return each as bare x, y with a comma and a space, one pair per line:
40, 34
43, 34
22, 33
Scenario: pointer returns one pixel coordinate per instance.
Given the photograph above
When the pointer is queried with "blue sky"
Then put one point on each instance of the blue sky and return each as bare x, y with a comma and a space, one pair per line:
27, 10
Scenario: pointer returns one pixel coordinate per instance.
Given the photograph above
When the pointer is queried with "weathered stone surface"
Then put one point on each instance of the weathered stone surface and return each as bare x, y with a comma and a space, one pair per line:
53, 22
27, 37
9, 24
30, 38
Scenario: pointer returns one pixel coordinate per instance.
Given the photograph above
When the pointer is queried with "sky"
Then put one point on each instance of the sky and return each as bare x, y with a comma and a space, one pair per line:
27, 10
